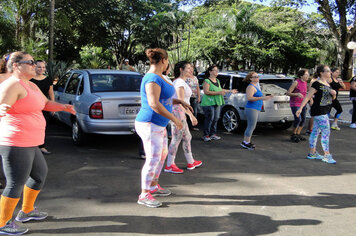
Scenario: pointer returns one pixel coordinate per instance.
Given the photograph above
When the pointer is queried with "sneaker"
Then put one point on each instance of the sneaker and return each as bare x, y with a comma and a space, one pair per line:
215, 137
353, 126
194, 165
160, 192
33, 215
206, 138
335, 127
248, 146
308, 132
195, 129
149, 201
294, 138
11, 228
328, 159
173, 169
301, 138
143, 156
314, 156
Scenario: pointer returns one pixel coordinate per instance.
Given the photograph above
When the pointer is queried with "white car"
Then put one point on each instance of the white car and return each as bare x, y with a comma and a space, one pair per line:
275, 111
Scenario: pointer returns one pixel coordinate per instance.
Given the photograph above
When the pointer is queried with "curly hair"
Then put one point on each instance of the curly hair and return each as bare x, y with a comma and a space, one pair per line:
3, 63
249, 76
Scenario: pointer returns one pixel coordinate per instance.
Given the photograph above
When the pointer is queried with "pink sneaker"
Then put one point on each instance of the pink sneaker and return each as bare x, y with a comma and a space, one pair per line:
160, 192
194, 165
173, 169
149, 201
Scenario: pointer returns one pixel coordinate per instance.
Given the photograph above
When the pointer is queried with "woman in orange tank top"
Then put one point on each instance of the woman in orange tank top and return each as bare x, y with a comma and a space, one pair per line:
22, 130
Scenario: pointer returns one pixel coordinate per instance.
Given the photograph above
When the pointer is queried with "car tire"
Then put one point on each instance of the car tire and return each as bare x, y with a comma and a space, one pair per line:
78, 136
282, 126
230, 120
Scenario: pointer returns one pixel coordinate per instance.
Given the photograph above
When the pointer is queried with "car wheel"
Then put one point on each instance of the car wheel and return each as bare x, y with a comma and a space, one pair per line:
282, 126
231, 120
78, 135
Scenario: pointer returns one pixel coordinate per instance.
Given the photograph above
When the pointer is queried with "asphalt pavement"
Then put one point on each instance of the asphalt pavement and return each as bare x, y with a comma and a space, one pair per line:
274, 190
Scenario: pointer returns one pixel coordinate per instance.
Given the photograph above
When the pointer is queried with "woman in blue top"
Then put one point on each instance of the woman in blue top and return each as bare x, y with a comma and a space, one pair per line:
253, 107
151, 122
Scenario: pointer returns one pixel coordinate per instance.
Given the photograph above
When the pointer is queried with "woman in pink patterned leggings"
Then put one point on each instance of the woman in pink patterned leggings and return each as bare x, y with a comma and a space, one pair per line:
182, 71
151, 121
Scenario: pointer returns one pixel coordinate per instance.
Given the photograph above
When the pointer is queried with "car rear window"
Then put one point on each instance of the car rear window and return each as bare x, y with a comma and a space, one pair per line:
284, 83
115, 82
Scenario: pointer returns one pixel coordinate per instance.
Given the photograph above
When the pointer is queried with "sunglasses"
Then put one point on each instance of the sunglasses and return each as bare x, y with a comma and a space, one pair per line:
255, 77
327, 71
29, 62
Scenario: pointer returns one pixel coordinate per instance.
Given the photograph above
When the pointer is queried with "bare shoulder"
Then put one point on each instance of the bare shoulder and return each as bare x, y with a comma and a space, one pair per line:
11, 84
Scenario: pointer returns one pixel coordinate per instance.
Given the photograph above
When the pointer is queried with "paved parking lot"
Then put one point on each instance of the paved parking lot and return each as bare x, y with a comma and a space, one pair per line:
274, 190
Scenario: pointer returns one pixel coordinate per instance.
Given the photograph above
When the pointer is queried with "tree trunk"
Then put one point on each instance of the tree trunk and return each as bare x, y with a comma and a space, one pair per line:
51, 31
346, 71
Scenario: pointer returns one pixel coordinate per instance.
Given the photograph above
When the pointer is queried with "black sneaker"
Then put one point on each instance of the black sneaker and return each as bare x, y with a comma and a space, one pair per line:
301, 138
248, 146
294, 138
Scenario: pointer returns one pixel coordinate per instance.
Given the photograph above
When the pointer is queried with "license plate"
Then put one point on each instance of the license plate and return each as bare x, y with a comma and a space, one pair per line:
131, 110
282, 105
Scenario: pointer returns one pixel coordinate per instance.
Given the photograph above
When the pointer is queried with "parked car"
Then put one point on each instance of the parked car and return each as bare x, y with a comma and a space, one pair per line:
106, 102
275, 111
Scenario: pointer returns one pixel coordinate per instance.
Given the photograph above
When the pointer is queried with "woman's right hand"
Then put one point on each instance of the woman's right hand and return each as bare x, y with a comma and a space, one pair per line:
265, 98
300, 95
298, 112
3, 109
177, 123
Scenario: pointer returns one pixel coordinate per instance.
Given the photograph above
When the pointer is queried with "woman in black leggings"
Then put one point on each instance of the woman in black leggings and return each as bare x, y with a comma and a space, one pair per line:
336, 84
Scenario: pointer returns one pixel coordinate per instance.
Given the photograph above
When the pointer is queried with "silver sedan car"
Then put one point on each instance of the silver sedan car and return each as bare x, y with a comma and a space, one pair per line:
106, 102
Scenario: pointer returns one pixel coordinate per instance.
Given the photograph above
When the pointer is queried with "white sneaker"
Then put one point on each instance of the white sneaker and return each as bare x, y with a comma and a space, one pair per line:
335, 127
353, 125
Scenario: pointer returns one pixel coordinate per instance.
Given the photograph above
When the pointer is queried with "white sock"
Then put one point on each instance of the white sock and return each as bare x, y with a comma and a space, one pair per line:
153, 187
143, 195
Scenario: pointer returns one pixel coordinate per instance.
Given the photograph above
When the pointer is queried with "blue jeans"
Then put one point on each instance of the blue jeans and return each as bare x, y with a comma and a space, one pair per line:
212, 114
298, 121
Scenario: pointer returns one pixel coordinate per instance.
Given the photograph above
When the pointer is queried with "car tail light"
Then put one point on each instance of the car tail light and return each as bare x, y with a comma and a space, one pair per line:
96, 111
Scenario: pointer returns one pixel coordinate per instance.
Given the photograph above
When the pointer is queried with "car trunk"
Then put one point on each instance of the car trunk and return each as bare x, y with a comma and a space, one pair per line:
279, 101
122, 105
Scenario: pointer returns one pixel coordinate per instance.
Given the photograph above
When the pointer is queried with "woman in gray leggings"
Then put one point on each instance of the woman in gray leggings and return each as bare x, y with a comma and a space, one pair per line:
22, 130
253, 107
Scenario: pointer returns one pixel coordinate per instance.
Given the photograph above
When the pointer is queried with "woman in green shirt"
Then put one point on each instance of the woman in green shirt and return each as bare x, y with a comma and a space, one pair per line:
211, 102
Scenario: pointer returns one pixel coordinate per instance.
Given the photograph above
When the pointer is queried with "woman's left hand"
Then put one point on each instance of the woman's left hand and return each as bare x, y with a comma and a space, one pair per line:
69, 108
234, 91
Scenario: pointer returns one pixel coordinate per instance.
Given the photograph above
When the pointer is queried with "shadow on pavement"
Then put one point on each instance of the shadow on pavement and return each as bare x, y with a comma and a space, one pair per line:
325, 200
235, 223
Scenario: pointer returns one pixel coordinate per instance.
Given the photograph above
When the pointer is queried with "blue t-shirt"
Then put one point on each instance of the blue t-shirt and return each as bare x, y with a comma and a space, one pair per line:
256, 104
147, 114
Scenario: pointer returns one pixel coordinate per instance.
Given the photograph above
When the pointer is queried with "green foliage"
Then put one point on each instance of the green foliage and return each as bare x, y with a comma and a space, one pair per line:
94, 57
57, 69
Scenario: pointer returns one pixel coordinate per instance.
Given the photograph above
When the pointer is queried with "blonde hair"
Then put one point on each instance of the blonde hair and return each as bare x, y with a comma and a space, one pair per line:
15, 57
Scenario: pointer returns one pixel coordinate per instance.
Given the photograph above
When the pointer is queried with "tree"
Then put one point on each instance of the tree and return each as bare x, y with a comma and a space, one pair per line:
340, 18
